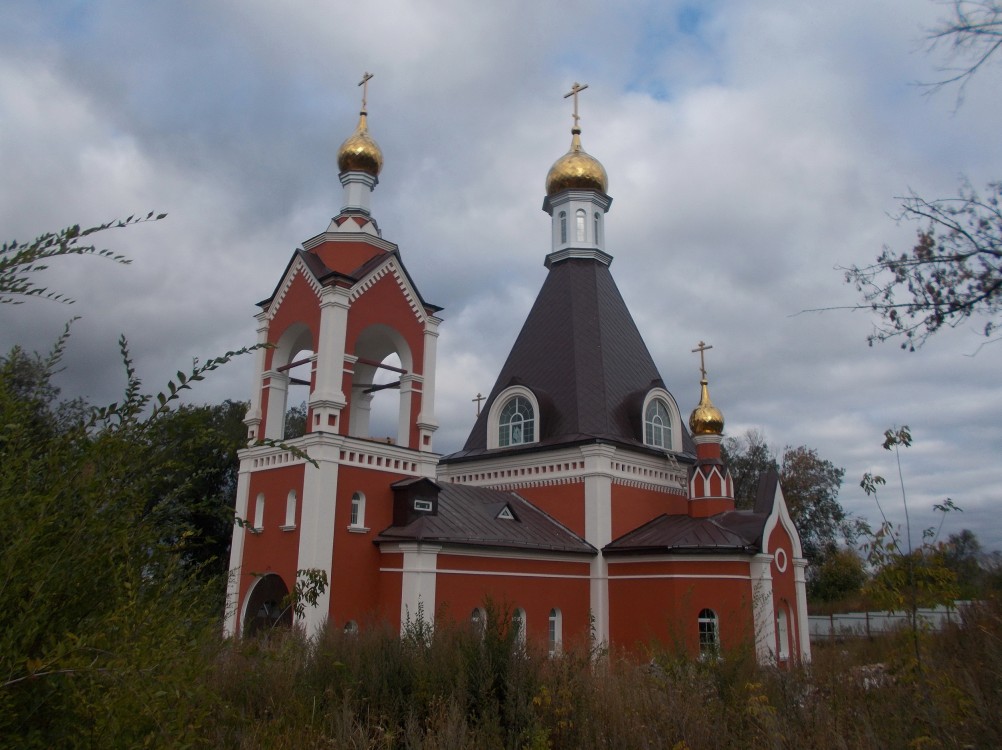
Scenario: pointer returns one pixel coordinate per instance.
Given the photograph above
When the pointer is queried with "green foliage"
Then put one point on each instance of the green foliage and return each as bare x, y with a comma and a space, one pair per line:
840, 575
20, 261
295, 421
810, 486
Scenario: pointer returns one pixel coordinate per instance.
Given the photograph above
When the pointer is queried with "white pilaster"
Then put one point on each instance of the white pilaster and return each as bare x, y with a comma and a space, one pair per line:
419, 578
407, 389
598, 529
763, 609
278, 391
316, 534
803, 629
231, 619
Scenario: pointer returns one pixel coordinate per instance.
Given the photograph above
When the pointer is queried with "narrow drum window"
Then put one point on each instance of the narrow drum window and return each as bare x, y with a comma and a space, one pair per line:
517, 424
596, 228
580, 225
563, 227
657, 425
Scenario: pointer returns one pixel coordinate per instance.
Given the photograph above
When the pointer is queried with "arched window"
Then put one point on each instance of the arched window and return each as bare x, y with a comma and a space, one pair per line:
290, 510
555, 631
259, 512
518, 624
357, 520
580, 225
351, 628
783, 632
563, 227
709, 635
596, 228
478, 622
657, 424
517, 423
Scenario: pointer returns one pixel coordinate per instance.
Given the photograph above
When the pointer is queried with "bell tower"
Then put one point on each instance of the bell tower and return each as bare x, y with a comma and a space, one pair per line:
348, 331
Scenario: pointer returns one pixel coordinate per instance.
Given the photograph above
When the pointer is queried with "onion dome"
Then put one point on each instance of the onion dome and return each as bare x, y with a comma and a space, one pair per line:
576, 170
706, 419
359, 152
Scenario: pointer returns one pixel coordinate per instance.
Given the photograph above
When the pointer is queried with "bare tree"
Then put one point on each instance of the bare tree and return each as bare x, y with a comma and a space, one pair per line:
973, 33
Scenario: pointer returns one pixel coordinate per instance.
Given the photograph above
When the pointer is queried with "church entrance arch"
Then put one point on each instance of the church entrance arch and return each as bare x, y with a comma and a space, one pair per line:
267, 605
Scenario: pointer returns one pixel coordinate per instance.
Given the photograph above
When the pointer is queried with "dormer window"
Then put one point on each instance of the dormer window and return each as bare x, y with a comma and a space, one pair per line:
517, 423
662, 423
657, 424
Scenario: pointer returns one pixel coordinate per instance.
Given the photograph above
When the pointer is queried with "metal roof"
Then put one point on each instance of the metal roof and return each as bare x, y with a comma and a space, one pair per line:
469, 516
732, 531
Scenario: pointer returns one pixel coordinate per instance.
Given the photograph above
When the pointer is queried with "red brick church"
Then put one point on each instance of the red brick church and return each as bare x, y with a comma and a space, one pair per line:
582, 499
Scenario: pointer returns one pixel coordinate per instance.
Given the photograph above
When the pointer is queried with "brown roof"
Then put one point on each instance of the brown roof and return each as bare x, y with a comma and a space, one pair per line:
469, 516
582, 356
733, 531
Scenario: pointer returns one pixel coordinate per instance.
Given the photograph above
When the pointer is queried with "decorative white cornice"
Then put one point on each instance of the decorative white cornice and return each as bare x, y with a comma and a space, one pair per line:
354, 237
588, 253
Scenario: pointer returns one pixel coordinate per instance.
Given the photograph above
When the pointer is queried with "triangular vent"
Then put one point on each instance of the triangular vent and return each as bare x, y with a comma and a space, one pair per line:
506, 514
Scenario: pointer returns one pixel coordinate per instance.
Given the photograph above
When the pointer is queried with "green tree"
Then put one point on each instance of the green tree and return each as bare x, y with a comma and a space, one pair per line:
963, 555
839, 575
810, 485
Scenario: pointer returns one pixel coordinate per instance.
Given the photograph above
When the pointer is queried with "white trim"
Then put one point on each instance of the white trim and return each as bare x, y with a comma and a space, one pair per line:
502, 573
737, 557
708, 576
418, 581
231, 621
581, 558
494, 416
781, 559
333, 237
296, 267
316, 539
763, 609
392, 267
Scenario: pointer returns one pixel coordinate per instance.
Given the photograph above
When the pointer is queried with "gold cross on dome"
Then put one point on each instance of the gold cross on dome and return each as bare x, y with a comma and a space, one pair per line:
575, 90
479, 399
364, 83
702, 362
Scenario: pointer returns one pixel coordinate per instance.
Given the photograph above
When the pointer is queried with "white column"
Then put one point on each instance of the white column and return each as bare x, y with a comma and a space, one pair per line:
426, 422
803, 624
253, 418
328, 398
231, 619
316, 534
763, 609
407, 383
278, 391
419, 578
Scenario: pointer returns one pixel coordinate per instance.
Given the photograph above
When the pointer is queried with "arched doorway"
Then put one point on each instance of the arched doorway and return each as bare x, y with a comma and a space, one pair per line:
267, 607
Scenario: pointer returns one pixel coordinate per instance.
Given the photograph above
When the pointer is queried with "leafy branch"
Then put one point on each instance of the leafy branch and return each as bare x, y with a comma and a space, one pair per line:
20, 261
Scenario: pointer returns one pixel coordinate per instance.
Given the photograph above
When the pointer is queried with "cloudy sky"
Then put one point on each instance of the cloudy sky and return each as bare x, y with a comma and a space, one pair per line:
752, 148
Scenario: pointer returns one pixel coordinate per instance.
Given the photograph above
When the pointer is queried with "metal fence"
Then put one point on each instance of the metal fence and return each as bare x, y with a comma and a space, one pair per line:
857, 624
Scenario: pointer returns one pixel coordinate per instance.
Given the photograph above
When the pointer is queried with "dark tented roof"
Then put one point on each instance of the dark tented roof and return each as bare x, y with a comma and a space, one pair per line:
469, 516
582, 356
733, 531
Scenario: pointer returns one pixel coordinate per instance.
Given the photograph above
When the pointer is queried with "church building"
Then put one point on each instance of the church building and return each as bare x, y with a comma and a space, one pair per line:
583, 501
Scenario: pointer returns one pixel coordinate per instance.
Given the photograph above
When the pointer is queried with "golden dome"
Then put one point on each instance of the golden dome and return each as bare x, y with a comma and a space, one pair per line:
706, 419
359, 152
576, 170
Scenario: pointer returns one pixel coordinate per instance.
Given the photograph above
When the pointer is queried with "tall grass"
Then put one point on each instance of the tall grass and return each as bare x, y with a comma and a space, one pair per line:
456, 688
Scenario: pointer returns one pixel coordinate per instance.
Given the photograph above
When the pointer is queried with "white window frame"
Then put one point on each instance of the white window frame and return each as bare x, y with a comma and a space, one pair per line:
290, 511
259, 513
356, 513
580, 225
708, 623
519, 621
783, 631
674, 417
494, 416
555, 634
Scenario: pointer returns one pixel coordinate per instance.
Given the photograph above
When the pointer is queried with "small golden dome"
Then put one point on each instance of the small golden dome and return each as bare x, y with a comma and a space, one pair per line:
359, 152
706, 419
576, 170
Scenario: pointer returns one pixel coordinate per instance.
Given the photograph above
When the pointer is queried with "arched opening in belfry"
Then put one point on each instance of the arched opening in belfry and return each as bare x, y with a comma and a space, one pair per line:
300, 385
268, 606
289, 379
381, 386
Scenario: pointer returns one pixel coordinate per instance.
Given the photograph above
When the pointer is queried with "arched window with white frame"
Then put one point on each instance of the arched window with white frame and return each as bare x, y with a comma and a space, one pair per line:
579, 225
259, 512
596, 228
783, 632
290, 510
555, 631
657, 424
517, 423
518, 624
563, 227
357, 518
709, 633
